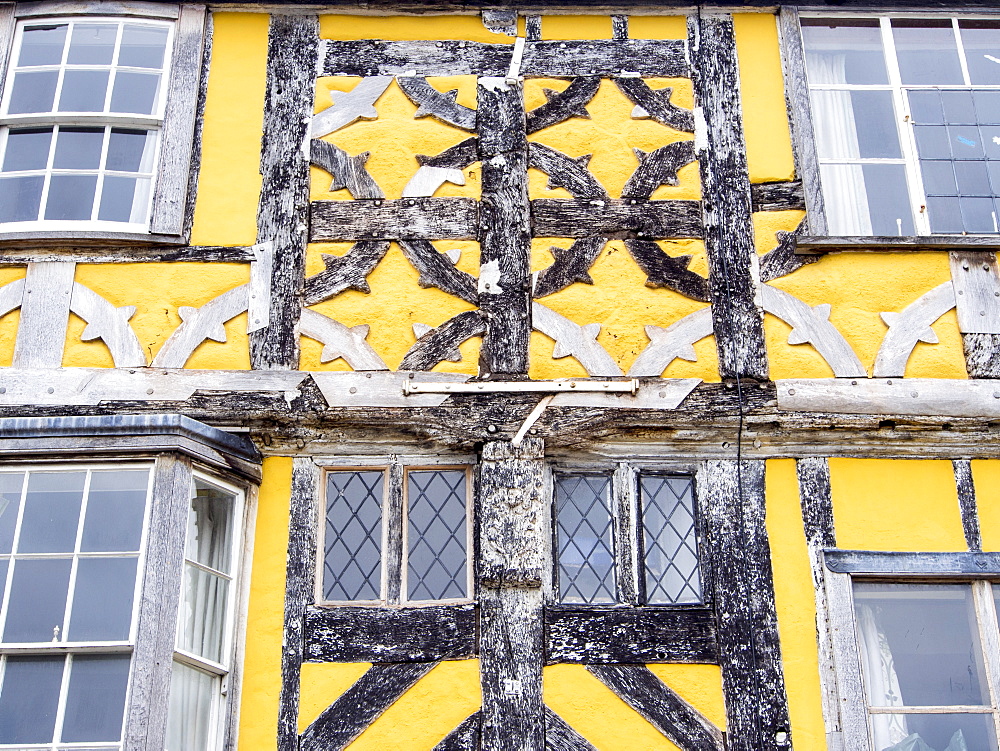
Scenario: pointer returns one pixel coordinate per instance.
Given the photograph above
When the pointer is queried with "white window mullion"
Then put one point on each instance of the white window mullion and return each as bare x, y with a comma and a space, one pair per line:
102, 171
13, 552
75, 561
961, 52
986, 617
63, 695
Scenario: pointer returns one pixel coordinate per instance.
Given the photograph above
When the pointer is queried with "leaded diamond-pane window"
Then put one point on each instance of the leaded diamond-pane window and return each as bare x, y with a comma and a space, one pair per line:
671, 543
436, 535
586, 555
352, 560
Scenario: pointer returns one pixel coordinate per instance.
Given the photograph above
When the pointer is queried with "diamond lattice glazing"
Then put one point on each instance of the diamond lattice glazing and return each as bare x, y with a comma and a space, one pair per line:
672, 574
352, 564
437, 566
583, 525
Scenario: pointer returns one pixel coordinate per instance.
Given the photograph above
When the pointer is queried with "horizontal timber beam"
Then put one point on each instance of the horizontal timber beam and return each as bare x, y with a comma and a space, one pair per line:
130, 254
407, 218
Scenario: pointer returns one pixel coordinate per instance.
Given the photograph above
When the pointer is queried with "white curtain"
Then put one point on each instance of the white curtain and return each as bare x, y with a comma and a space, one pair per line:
881, 680
189, 718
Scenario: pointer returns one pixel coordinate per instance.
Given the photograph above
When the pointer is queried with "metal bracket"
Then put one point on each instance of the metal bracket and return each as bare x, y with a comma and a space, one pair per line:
630, 386
259, 301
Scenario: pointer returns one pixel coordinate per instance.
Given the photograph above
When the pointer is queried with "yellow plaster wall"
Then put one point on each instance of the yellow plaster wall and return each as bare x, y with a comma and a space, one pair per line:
265, 614
795, 603
657, 27
321, 683
8, 323
905, 505
576, 27
600, 716
986, 478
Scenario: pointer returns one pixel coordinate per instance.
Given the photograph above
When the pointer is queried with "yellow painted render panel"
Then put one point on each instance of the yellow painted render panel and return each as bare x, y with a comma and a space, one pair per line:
229, 181
657, 27
576, 27
408, 28
265, 614
8, 323
698, 685
322, 683
986, 478
794, 599
905, 505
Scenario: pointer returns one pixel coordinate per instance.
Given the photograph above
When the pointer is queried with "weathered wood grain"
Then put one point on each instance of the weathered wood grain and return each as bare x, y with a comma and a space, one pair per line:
359, 706
782, 260
658, 167
403, 218
681, 723
616, 218
725, 180
819, 244
392, 509
668, 343
437, 270
505, 232
667, 271
817, 505
7, 24
463, 738
283, 211
363, 634
560, 736
571, 265
565, 172
967, 504
110, 325
500, 20
573, 339
619, 27
438, 344
533, 27
562, 105
459, 156
607, 635
349, 271
628, 533
434, 103
976, 278
939, 564
982, 355
45, 302
778, 196
911, 325
606, 57
656, 104
347, 171
349, 106
16, 256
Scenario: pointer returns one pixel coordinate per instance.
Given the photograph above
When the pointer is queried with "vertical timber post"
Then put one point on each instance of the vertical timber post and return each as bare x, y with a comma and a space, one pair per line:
512, 554
733, 267
505, 232
283, 213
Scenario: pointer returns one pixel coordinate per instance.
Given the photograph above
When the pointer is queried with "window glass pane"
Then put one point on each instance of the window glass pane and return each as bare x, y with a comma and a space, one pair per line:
583, 526
189, 719
888, 199
78, 148
92, 44
210, 527
978, 215
927, 52
32, 91
920, 645
116, 506
19, 198
958, 107
436, 529
51, 512
966, 142
920, 732
29, 698
945, 214
83, 91
27, 149
352, 559
37, 600
939, 177
844, 52
95, 700
42, 44
124, 199
203, 614
671, 544
925, 106
855, 124
131, 150
11, 484
143, 46
932, 141
982, 50
135, 92
973, 178
71, 197
102, 599
987, 106
868, 199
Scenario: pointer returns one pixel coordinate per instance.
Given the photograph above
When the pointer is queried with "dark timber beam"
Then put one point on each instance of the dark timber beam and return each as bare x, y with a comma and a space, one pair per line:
967, 504
283, 213
727, 198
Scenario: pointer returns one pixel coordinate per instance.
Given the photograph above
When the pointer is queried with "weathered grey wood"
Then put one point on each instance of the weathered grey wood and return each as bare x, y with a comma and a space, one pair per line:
41, 332
361, 634
11, 295
340, 341
778, 196
565, 171
608, 635
463, 738
672, 342
7, 23
147, 9
619, 27
347, 171
684, 725
199, 324
505, 232
348, 106
910, 396
405, 218
783, 260
910, 326
500, 20
929, 564
853, 714
800, 122
658, 167
655, 104
393, 513
359, 706
511, 514
459, 156
283, 212
616, 218
110, 325
976, 278
438, 344
560, 736
725, 180
259, 288
299, 593
982, 355
437, 270
747, 624
129, 254
349, 271
967, 504
817, 505
819, 244
533, 27
562, 105
146, 713
625, 511
667, 271
571, 265
573, 339
177, 134
433, 103
606, 57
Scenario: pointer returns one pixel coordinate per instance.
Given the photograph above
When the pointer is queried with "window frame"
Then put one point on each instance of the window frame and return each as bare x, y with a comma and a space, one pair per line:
176, 158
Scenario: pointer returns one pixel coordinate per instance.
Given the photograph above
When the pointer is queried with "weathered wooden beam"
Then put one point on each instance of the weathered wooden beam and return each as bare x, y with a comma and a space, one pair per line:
892, 396
727, 204
441, 343
571, 265
778, 196
129, 254
931, 564
597, 635
505, 231
463, 738
283, 212
562, 105
658, 167
816, 244
45, 301
565, 171
967, 504
982, 355
617, 218
746, 619
628, 533
666, 271
681, 723
437, 270
349, 271
783, 259
401, 218
560, 735
364, 634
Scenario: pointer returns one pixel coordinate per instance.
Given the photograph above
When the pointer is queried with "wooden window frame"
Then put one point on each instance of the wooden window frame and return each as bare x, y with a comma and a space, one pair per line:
177, 158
